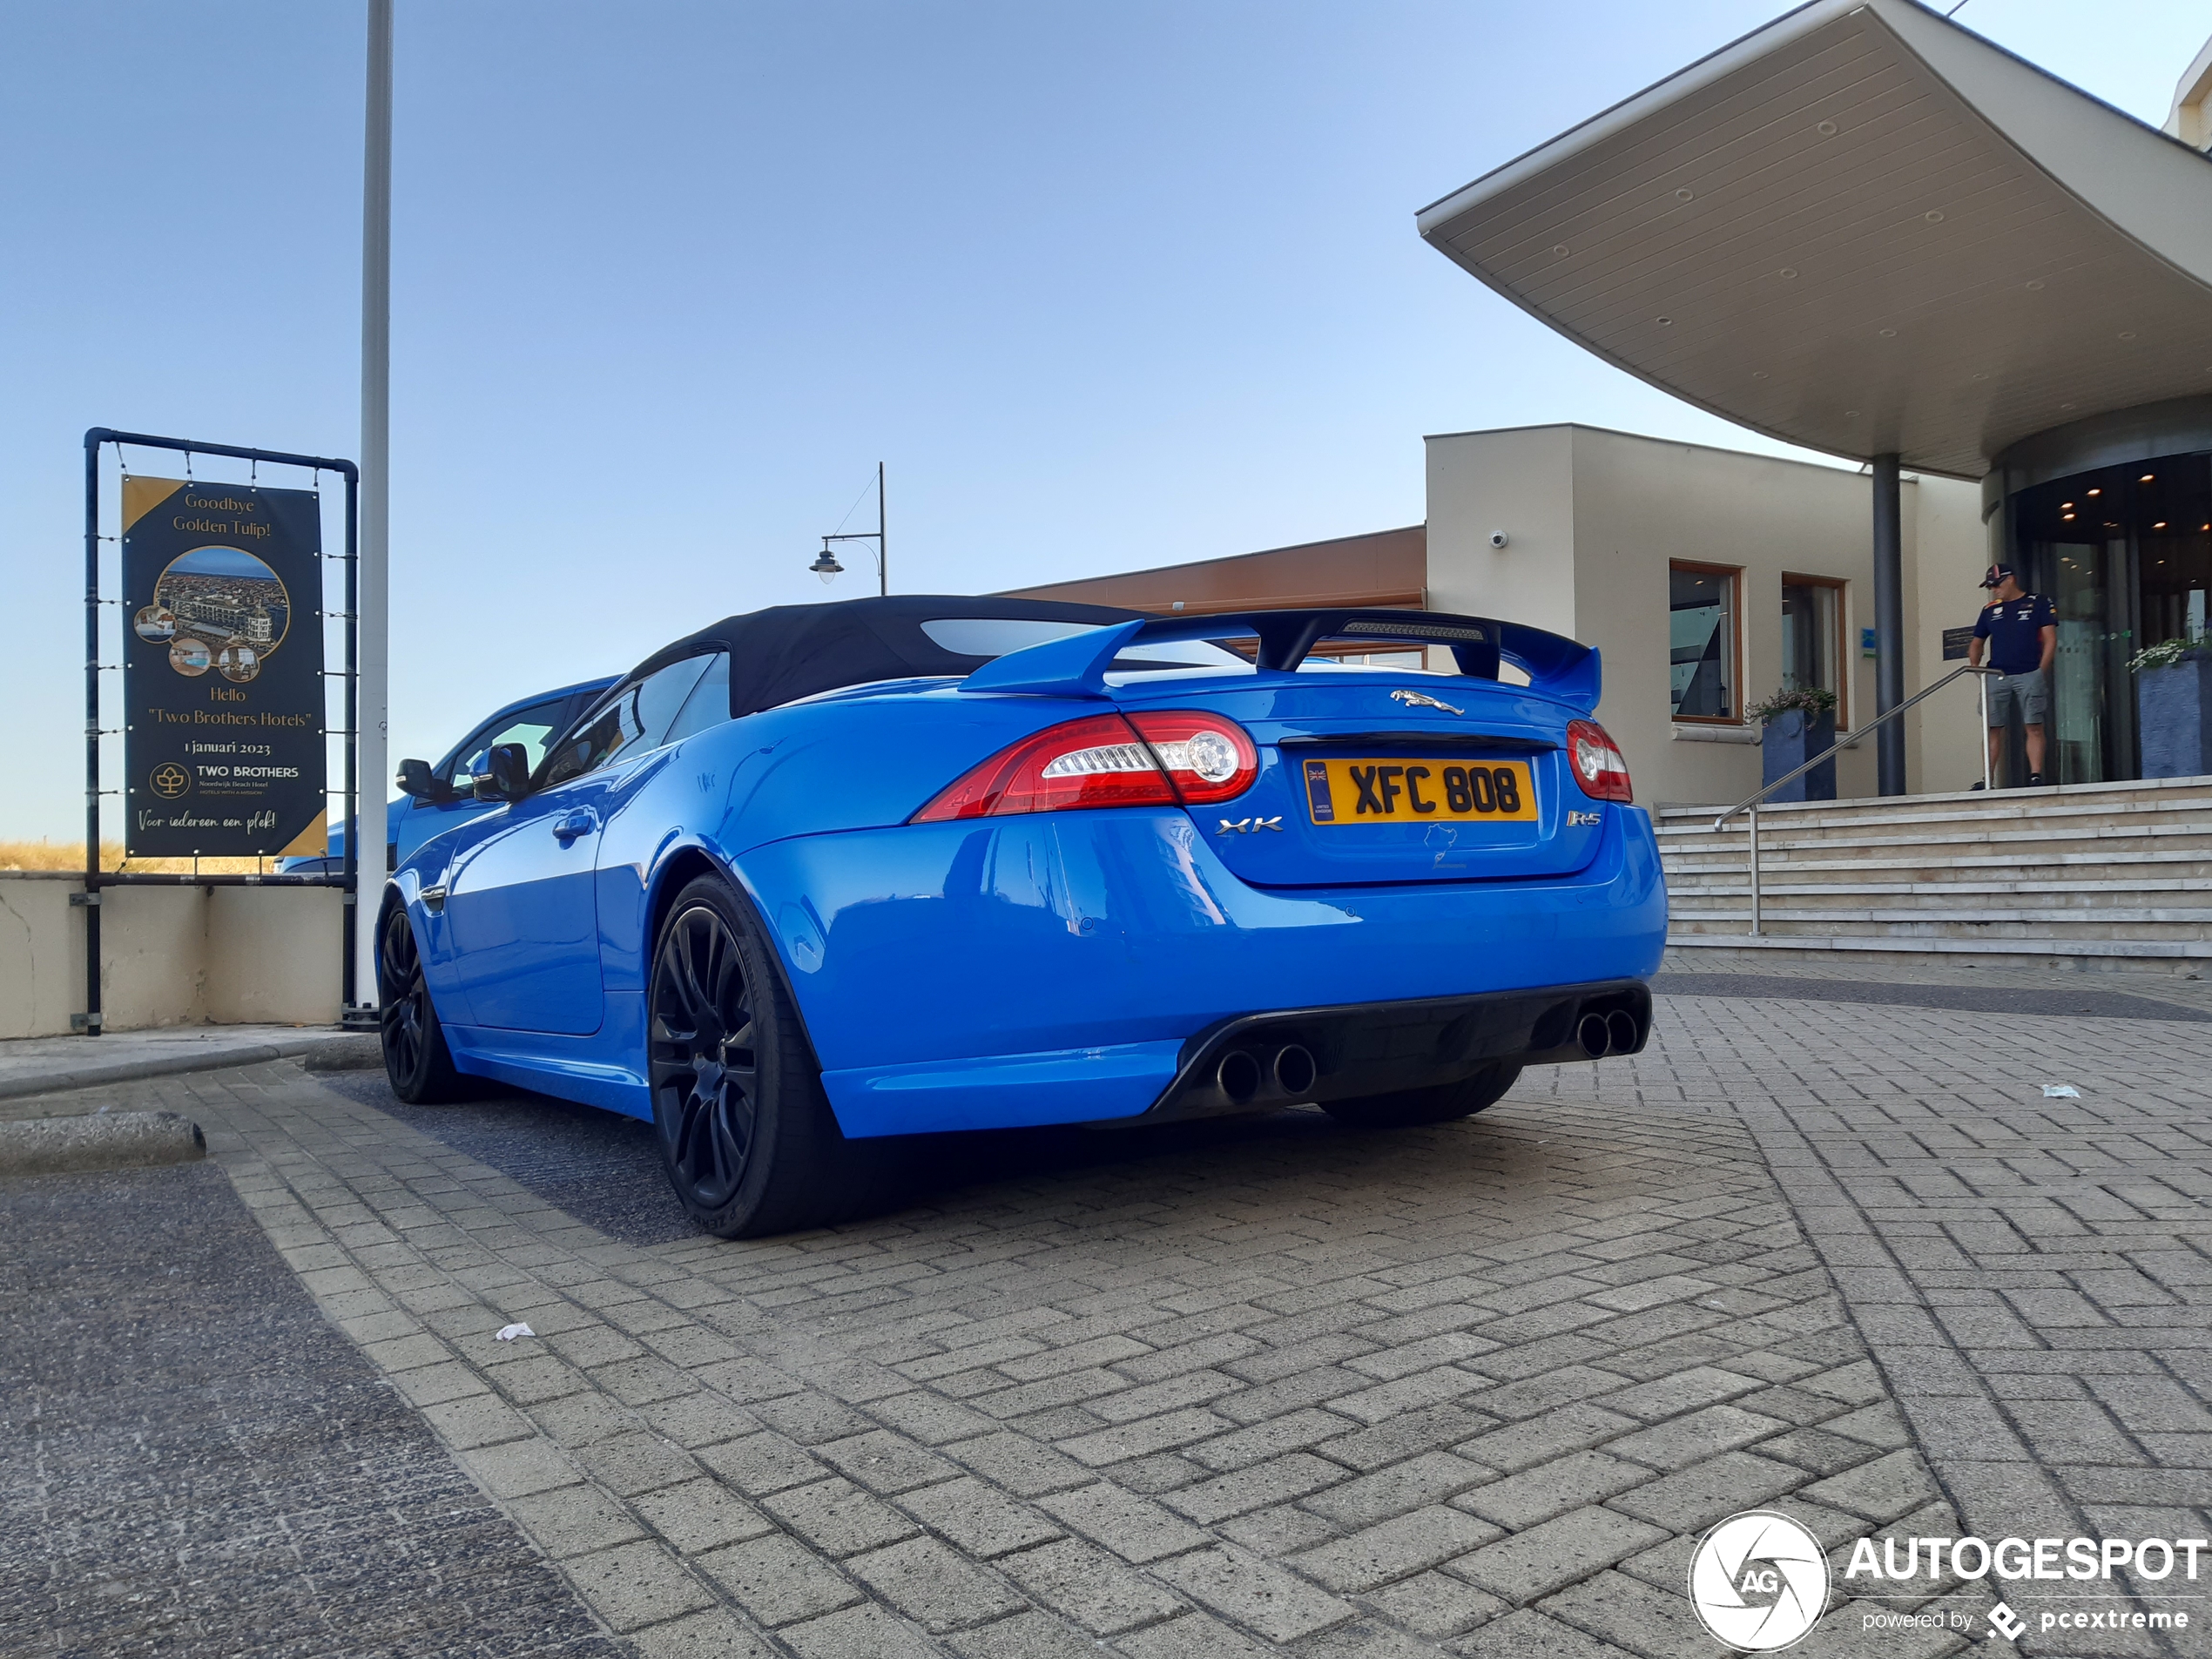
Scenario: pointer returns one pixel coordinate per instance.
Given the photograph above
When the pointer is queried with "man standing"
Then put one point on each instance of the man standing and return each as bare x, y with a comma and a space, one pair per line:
2021, 635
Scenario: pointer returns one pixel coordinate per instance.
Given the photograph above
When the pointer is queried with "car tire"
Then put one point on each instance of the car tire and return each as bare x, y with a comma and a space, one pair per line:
1439, 1104
746, 1135
416, 1058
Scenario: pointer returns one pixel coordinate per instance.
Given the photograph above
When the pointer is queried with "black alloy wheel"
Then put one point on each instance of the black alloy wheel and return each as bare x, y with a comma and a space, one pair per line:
746, 1135
415, 1056
706, 1078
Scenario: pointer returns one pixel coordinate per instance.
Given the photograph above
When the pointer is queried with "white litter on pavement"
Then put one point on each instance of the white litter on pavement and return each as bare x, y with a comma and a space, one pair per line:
2060, 1091
508, 1333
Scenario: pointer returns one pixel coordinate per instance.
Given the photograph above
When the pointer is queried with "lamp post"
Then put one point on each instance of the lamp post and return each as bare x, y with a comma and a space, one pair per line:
826, 565
365, 835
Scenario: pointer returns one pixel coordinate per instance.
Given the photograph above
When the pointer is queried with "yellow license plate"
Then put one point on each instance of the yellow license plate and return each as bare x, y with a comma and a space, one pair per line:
1421, 791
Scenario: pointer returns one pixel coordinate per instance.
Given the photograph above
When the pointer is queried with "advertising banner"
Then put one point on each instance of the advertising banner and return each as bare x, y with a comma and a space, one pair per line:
222, 669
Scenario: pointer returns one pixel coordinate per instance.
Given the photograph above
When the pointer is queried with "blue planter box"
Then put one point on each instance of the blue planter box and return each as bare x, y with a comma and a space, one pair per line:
2170, 707
1789, 741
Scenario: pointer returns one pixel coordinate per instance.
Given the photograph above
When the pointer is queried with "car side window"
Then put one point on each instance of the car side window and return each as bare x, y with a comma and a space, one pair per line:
709, 702
532, 727
635, 719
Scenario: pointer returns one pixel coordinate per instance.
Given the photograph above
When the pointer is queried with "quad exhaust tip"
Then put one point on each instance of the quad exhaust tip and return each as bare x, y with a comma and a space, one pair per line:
1596, 1035
1238, 1076
1241, 1072
1604, 1034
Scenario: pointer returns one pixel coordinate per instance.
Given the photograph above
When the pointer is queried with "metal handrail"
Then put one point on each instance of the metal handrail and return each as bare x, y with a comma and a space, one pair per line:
1750, 804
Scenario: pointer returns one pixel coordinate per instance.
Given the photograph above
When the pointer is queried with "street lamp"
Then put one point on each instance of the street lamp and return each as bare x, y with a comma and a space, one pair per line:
826, 565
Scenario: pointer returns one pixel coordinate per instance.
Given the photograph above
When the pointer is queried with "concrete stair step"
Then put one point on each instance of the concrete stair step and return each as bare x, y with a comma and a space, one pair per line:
2129, 957
2068, 894
2142, 927
2177, 863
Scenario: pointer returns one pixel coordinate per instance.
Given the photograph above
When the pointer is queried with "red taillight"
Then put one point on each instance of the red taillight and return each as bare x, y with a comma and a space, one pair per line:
1101, 760
1208, 758
1598, 763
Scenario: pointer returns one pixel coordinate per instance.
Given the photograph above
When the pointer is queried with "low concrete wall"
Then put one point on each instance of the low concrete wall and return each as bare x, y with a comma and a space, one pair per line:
170, 956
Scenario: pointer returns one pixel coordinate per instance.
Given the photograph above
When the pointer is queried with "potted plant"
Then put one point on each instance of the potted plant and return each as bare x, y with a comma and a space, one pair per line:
1795, 726
2173, 695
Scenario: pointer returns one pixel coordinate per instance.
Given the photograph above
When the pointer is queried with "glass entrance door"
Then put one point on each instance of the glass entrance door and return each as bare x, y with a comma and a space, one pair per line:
2074, 546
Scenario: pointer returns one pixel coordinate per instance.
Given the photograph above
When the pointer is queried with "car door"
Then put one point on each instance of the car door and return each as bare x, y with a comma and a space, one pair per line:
521, 918
534, 727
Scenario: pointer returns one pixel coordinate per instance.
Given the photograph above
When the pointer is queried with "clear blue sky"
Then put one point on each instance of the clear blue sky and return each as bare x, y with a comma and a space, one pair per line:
1106, 287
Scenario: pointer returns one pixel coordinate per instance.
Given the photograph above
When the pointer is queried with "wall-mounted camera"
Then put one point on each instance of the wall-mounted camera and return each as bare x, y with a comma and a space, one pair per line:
1499, 538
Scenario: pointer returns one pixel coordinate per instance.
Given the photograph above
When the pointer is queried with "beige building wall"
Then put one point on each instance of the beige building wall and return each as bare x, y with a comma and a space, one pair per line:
1593, 519
170, 956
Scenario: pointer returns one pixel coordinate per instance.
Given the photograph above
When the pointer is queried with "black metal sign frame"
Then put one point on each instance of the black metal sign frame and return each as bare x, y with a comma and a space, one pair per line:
95, 878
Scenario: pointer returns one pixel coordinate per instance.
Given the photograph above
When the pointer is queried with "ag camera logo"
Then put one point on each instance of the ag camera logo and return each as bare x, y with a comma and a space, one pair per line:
1759, 1582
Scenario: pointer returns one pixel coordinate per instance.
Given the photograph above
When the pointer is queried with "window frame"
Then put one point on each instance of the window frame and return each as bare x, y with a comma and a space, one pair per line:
1841, 629
622, 688
1735, 573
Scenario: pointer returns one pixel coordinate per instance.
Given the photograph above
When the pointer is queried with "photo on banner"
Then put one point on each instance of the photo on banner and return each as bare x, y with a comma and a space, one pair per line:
222, 670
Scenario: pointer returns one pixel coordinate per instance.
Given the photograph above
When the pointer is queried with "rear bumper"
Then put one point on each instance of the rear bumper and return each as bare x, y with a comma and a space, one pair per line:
1057, 968
1342, 1054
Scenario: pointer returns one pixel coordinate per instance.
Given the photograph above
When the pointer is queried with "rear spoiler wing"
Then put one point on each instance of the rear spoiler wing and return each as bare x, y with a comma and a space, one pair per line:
1076, 666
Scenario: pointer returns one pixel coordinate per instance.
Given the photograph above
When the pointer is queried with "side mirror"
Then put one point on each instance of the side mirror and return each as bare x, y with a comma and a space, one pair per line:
509, 775
416, 781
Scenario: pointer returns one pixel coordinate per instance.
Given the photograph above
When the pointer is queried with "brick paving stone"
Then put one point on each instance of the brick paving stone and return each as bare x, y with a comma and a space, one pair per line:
935, 1585
1133, 1527
1393, 1550
1530, 1634
1531, 1565
977, 1518
777, 1581
837, 1518
1253, 1592
1088, 1586
1412, 1484
1521, 1500
1434, 1605
637, 1584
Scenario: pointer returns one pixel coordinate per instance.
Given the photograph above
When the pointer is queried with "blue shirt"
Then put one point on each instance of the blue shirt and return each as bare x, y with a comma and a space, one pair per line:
2014, 630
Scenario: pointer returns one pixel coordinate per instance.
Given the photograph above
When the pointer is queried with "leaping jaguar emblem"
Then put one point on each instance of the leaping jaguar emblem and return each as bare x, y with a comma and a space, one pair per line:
1423, 700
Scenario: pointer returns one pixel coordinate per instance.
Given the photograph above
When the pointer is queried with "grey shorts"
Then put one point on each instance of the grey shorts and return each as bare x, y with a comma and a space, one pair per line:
2031, 692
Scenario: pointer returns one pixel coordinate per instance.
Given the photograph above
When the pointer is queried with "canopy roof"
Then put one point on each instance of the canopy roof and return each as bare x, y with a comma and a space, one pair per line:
1863, 229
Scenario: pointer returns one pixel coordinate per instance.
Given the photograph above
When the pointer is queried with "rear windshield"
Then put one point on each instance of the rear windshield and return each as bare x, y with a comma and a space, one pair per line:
996, 636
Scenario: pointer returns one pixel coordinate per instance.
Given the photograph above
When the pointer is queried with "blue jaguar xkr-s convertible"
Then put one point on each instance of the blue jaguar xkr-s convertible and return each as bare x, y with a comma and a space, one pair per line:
823, 874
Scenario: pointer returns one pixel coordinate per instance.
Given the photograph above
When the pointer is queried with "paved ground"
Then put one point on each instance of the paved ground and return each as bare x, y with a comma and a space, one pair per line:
38, 1065
194, 1462
1271, 1387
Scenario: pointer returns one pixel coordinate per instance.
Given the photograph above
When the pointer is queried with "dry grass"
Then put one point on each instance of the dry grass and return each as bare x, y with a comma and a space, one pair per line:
69, 855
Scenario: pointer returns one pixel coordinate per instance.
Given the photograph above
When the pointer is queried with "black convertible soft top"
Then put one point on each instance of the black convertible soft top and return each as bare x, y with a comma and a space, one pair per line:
789, 651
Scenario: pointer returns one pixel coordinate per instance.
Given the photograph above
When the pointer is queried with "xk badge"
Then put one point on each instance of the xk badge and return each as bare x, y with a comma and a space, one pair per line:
1759, 1582
1249, 826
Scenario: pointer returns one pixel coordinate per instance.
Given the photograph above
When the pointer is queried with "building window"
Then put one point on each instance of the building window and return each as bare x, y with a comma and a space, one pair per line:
1812, 637
1702, 635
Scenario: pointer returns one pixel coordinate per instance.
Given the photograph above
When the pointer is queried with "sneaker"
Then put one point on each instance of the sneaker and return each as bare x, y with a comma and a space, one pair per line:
1977, 784
2035, 780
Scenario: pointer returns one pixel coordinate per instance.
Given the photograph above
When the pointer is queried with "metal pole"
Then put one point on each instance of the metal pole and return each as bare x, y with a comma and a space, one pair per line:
91, 734
1889, 623
350, 981
1755, 873
1989, 780
882, 541
365, 835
